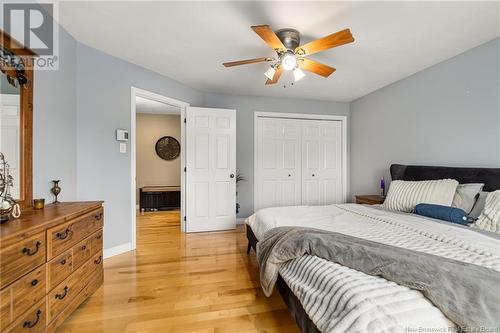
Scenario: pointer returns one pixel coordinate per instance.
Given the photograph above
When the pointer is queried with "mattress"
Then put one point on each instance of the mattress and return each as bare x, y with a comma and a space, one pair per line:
339, 299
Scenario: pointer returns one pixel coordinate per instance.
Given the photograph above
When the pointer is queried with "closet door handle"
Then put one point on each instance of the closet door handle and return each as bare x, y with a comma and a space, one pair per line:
231, 175
289, 175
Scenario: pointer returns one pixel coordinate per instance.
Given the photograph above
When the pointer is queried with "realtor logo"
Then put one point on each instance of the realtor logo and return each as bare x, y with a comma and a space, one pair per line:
33, 25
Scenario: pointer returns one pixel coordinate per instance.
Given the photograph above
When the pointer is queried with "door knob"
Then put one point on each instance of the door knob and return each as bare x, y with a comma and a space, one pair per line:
289, 175
313, 174
231, 175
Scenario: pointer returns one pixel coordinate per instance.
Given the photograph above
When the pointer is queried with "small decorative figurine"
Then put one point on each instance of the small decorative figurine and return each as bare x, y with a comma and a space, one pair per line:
382, 187
55, 190
8, 206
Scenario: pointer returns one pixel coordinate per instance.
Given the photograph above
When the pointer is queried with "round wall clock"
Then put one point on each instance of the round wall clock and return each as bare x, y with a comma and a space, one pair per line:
168, 148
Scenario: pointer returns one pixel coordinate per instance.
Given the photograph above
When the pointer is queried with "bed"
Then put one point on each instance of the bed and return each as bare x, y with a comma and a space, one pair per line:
405, 305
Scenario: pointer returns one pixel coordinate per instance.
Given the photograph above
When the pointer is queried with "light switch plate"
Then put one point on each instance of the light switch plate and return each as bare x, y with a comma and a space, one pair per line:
123, 148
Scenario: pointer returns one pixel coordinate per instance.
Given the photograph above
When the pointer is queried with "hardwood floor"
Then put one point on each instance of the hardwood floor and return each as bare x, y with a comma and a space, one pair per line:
177, 282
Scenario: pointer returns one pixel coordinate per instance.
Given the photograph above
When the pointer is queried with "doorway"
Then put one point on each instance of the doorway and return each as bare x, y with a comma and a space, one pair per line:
158, 158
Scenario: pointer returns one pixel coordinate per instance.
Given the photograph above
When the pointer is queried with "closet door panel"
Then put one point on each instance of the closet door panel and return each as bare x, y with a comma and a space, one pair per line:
321, 162
311, 192
299, 162
278, 163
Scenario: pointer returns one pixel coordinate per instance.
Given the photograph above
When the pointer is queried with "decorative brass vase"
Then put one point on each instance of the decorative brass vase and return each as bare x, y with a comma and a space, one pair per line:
55, 190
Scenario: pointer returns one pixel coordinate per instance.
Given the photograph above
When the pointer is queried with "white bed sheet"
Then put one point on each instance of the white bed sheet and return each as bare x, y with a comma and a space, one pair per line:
356, 302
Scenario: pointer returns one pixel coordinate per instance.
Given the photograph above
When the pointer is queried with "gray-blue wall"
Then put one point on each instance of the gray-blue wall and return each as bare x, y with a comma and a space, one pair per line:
6, 87
54, 124
447, 114
103, 105
245, 107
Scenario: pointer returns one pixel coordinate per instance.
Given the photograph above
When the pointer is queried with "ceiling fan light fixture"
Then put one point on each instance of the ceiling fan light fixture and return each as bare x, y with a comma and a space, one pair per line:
270, 73
298, 74
288, 61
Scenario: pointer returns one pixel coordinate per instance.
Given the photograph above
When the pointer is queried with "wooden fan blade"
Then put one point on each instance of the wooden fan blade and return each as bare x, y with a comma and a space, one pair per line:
267, 34
316, 67
248, 61
276, 77
325, 43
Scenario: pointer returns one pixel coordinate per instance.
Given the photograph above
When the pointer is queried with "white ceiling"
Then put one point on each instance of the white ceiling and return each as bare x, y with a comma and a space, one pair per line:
188, 41
144, 105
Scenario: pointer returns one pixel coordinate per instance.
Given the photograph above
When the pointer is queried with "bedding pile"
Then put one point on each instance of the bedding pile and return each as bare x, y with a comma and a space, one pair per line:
339, 299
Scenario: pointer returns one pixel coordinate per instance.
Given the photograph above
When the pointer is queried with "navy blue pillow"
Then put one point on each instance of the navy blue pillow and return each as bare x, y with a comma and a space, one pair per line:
445, 213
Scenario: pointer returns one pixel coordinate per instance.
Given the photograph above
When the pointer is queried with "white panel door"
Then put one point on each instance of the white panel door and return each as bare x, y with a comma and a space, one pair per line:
278, 163
210, 169
321, 162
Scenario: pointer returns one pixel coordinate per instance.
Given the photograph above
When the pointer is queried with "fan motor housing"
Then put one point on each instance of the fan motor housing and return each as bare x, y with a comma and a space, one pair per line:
289, 37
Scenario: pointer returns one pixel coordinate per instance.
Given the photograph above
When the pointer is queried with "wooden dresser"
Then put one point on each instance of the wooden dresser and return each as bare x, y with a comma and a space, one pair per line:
50, 262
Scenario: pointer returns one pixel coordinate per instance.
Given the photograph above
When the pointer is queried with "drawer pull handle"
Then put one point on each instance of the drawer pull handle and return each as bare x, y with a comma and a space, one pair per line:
84, 247
30, 324
63, 262
61, 296
98, 261
64, 234
98, 216
29, 252
99, 237
34, 282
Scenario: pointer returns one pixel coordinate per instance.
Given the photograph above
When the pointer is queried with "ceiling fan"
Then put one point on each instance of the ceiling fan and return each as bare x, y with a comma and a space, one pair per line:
291, 55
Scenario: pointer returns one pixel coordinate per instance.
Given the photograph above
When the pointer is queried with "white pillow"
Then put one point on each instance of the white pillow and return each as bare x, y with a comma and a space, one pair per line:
466, 196
403, 196
489, 219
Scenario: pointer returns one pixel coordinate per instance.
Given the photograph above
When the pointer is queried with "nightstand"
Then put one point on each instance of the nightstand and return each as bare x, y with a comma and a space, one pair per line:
369, 199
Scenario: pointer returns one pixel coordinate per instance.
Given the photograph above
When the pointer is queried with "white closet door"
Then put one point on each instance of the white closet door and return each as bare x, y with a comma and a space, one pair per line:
321, 162
278, 163
211, 169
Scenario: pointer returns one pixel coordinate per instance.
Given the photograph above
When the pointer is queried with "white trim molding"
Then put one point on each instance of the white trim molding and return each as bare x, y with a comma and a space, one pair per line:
240, 220
137, 92
116, 250
345, 152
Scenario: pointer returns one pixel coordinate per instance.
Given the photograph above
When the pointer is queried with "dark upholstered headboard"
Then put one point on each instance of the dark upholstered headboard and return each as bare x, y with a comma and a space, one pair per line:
489, 176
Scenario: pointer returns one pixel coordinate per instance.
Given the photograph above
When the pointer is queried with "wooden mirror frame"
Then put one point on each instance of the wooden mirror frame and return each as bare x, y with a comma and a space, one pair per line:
26, 120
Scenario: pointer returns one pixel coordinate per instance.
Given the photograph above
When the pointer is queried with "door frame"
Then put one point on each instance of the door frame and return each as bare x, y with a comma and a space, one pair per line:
137, 92
303, 116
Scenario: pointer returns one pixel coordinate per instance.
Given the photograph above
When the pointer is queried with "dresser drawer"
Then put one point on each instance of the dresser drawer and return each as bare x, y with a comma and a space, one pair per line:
21, 258
96, 242
66, 291
59, 268
82, 252
32, 321
67, 235
27, 291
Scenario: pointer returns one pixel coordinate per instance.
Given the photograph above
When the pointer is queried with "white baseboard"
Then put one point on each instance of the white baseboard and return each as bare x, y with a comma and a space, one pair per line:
114, 251
240, 220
